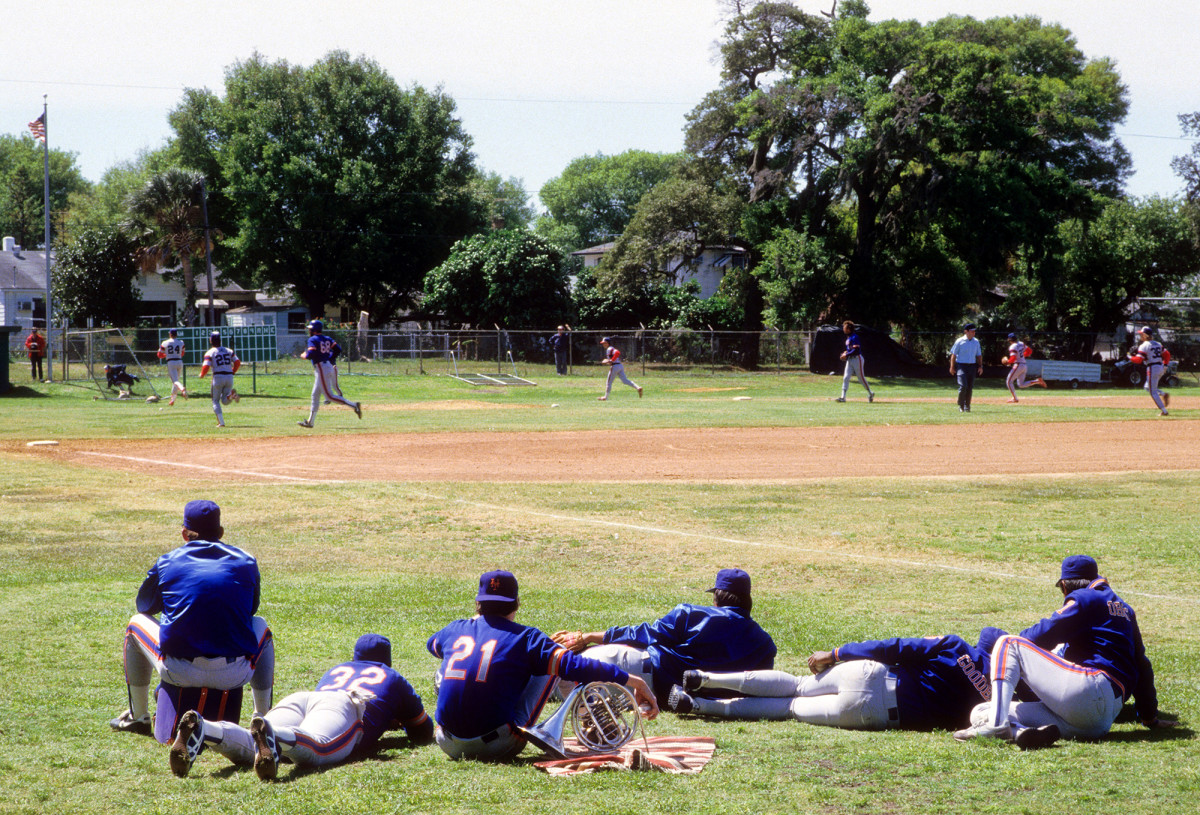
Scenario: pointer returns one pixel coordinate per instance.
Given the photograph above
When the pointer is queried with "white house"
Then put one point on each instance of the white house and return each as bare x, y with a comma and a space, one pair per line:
708, 270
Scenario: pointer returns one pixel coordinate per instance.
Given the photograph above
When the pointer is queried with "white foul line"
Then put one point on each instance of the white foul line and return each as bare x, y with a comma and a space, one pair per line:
768, 545
200, 467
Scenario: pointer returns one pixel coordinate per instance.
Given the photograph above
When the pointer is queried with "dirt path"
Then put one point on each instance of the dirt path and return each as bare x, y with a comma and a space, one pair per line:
739, 454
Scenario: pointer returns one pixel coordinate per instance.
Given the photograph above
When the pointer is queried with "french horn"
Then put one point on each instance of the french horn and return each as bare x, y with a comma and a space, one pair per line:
604, 717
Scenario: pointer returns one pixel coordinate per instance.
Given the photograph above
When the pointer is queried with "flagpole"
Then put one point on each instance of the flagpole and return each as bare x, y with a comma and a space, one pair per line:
46, 206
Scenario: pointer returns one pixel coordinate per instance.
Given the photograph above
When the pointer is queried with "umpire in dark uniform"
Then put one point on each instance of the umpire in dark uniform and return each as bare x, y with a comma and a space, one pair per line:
561, 343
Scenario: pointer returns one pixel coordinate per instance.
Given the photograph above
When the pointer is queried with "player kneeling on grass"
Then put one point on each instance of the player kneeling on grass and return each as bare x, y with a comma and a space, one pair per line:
496, 675
689, 637
354, 704
207, 593
918, 683
1103, 663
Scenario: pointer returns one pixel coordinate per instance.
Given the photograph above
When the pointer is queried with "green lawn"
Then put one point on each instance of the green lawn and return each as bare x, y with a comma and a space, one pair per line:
834, 561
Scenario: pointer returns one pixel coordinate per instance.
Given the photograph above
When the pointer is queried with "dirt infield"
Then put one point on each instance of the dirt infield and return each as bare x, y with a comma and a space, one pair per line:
739, 454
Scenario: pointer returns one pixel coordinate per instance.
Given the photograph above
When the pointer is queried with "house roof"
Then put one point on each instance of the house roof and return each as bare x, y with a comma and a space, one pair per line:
23, 270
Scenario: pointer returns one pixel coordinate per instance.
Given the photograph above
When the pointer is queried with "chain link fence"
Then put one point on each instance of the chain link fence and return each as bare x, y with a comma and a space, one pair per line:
432, 351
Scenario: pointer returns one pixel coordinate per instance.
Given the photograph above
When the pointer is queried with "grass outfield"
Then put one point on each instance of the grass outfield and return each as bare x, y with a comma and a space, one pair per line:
835, 561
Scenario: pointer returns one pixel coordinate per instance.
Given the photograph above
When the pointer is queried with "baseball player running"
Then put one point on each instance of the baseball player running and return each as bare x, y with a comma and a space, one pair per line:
354, 704
918, 683
616, 368
1018, 352
321, 351
224, 364
172, 351
1151, 352
1082, 691
853, 357
496, 675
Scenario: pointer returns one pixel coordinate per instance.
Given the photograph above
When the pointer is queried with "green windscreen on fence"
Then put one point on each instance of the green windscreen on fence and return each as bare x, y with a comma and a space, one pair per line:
252, 343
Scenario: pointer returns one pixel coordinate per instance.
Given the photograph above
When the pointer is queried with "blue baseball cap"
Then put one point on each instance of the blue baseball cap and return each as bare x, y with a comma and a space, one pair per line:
1012, 336
733, 580
988, 637
1075, 567
203, 518
969, 327
373, 648
606, 339
497, 585
172, 331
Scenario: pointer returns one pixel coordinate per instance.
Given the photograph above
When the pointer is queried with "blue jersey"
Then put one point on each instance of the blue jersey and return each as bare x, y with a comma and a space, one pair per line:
207, 593
966, 351
938, 679
1100, 631
393, 701
322, 349
719, 639
853, 348
487, 661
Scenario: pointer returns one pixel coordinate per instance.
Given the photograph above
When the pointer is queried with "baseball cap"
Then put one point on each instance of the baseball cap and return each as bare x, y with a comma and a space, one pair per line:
497, 585
373, 648
988, 636
969, 327
202, 517
1147, 330
172, 332
733, 580
216, 335
1012, 336
606, 339
1078, 566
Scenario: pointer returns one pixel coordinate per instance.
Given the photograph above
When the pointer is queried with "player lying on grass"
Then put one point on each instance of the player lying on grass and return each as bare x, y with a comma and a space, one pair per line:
496, 675
1103, 663
712, 638
918, 683
354, 704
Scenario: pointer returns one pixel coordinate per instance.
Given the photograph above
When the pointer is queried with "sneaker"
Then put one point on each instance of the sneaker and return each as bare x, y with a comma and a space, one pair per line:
871, 397
692, 680
358, 409
233, 396
266, 750
220, 424
327, 402
125, 723
171, 401
969, 733
304, 423
1166, 397
679, 701
188, 744
840, 399
967, 408
639, 393
1035, 738
601, 398
1042, 382
1164, 413
1013, 400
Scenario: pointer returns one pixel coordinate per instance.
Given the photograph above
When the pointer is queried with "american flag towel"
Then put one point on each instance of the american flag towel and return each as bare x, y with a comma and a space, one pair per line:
682, 755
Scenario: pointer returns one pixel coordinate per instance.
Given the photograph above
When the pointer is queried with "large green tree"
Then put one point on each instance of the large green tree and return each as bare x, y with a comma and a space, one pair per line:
510, 278
94, 278
332, 179
919, 158
22, 189
1132, 249
595, 197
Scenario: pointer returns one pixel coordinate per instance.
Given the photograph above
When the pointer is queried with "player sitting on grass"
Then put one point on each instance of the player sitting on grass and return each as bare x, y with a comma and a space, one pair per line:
713, 638
354, 704
496, 675
1081, 692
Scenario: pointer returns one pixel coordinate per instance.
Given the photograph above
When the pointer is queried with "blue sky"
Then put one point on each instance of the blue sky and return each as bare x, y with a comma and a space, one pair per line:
537, 82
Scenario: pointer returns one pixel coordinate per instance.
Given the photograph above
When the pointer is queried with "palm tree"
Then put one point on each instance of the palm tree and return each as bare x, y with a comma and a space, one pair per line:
167, 224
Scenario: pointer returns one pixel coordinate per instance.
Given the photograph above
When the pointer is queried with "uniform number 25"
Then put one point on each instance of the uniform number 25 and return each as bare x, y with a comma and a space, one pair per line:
464, 647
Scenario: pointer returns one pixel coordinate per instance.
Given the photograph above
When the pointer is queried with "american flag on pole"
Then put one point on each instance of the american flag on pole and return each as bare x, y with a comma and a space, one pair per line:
38, 128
